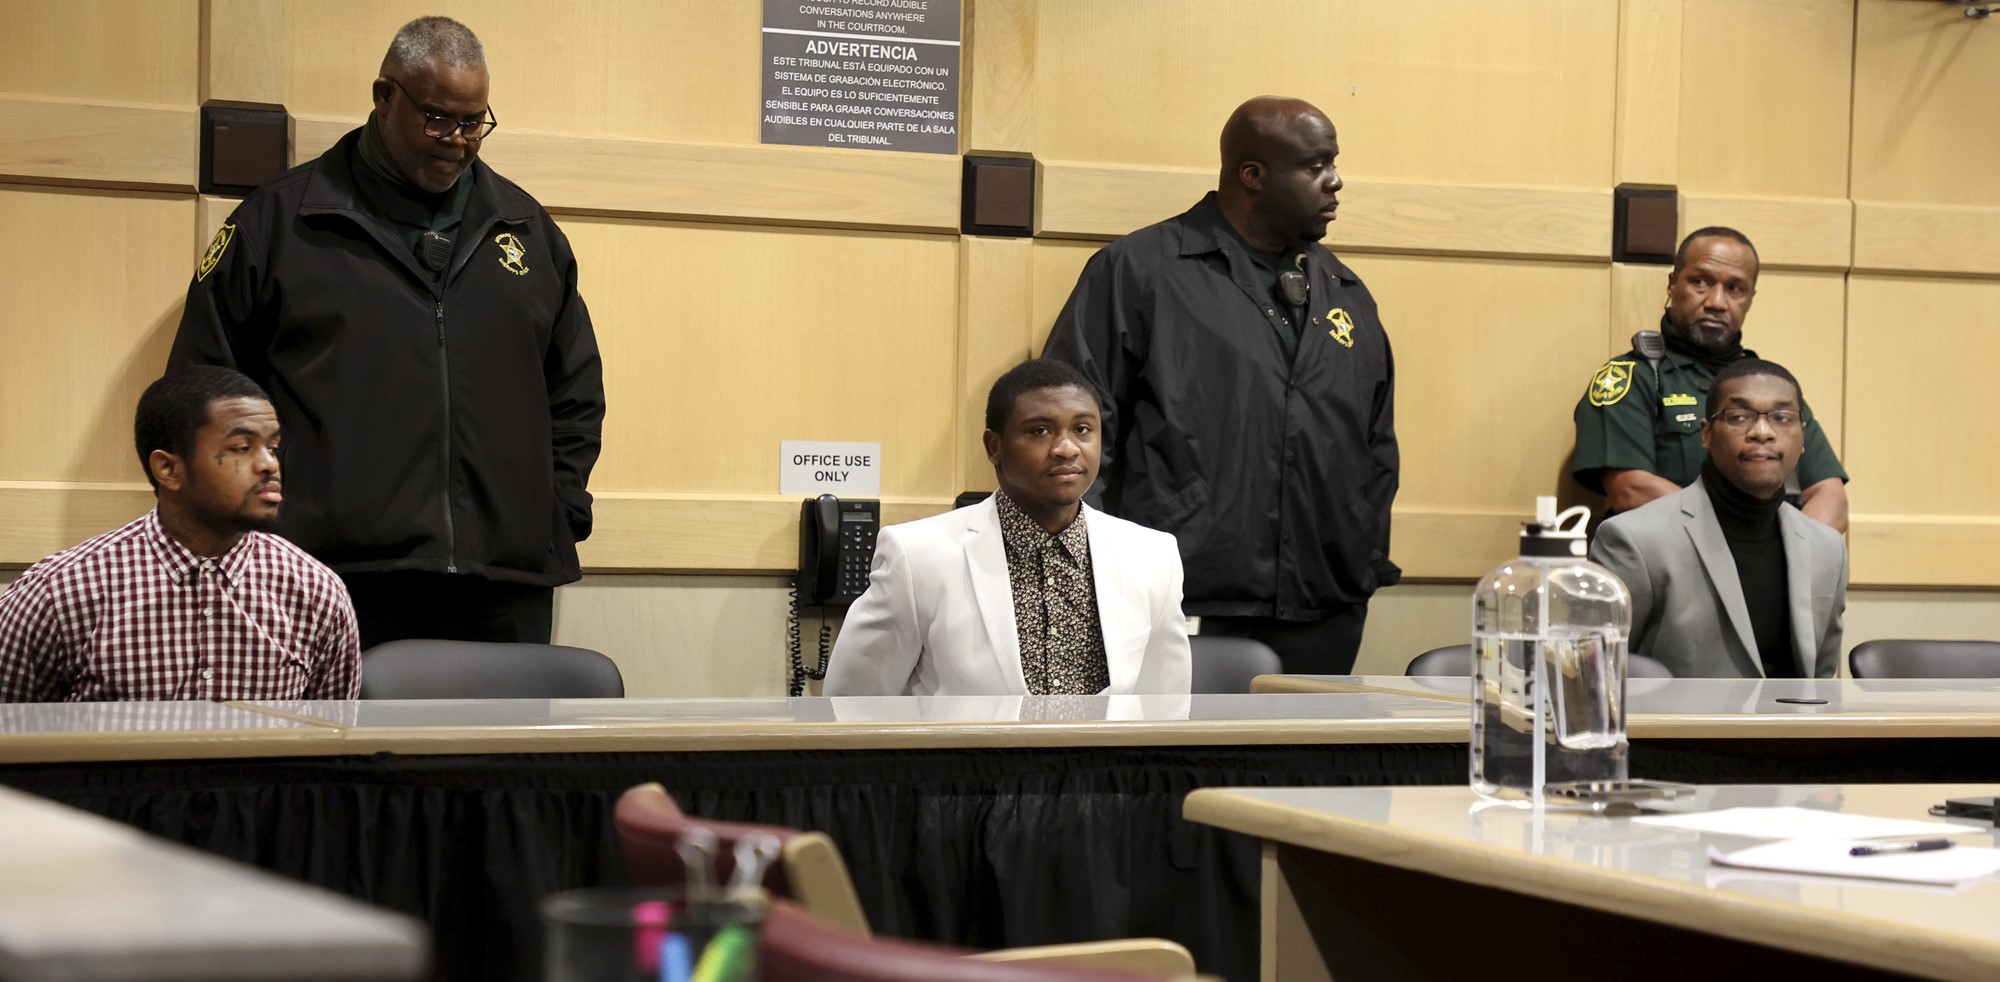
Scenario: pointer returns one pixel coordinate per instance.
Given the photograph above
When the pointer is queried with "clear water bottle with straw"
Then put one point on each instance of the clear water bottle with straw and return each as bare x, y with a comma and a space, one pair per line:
1549, 633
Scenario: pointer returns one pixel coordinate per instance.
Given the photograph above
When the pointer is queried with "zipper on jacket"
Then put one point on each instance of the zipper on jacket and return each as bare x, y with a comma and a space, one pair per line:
444, 445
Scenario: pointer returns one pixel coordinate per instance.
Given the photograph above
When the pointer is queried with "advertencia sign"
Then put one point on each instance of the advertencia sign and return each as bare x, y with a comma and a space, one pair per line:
868, 74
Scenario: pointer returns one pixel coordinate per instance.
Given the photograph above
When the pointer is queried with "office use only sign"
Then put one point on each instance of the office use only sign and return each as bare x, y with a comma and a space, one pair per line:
866, 74
812, 468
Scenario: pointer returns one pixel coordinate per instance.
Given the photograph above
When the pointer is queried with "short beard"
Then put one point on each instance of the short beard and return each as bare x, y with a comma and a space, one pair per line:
1688, 335
254, 523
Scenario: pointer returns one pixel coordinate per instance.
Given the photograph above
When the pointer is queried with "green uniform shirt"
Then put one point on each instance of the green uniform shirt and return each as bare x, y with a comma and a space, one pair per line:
1626, 420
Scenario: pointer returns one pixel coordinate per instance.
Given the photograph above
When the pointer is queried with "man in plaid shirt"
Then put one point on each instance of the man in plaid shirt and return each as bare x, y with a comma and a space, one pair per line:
191, 600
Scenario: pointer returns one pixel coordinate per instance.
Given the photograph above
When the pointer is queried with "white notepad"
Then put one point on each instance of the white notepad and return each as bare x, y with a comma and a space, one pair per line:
1830, 857
1800, 823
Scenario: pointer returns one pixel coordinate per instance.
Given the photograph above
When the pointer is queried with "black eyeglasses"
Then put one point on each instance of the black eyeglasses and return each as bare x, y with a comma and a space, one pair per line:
438, 127
1743, 419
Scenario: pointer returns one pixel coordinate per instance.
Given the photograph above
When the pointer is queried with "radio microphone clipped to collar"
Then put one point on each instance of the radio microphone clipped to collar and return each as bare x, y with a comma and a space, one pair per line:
434, 249
1293, 283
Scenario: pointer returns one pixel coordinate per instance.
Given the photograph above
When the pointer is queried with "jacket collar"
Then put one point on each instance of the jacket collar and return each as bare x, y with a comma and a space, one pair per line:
1207, 230
1706, 532
330, 189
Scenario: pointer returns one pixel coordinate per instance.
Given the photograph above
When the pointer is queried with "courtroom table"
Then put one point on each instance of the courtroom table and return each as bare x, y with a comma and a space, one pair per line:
1768, 730
991, 822
87, 899
1431, 883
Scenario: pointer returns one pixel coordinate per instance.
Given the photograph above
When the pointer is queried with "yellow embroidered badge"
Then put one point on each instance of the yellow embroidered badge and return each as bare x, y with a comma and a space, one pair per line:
216, 247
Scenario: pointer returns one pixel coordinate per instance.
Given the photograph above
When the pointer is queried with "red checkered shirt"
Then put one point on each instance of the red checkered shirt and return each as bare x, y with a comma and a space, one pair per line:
132, 614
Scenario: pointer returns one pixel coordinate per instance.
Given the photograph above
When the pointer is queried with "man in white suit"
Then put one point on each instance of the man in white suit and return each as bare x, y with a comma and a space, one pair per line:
1727, 580
1029, 592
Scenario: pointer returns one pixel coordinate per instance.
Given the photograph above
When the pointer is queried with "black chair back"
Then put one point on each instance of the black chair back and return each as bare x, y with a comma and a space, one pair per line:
1907, 659
1227, 664
429, 669
1456, 659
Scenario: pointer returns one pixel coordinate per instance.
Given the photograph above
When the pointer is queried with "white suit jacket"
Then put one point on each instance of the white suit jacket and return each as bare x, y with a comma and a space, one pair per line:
938, 615
1687, 603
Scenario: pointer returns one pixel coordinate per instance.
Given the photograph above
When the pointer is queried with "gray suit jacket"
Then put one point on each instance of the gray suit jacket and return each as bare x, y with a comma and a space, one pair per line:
1687, 605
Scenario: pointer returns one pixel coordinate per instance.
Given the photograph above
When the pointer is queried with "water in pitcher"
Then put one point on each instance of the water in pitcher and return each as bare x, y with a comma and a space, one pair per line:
1574, 682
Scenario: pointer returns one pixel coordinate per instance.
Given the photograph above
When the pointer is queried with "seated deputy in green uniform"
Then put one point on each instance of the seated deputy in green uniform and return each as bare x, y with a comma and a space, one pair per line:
1638, 424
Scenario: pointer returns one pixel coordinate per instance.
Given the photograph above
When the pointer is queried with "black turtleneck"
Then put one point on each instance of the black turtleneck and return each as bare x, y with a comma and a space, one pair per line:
1680, 341
1757, 542
407, 210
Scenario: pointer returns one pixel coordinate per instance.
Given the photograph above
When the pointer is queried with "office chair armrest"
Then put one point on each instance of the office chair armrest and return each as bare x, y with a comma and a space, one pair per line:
821, 884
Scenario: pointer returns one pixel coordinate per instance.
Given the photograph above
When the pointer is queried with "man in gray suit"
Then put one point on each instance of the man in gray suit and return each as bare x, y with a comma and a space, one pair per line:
1727, 580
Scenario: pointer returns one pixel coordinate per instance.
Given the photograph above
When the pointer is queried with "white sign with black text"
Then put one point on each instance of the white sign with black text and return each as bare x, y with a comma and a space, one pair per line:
811, 468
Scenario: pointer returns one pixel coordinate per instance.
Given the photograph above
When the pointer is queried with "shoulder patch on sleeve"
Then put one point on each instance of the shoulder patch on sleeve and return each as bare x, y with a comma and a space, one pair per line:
216, 247
1611, 382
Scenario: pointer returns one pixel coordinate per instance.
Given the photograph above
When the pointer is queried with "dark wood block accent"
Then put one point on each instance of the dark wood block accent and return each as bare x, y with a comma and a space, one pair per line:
242, 148
1644, 225
998, 196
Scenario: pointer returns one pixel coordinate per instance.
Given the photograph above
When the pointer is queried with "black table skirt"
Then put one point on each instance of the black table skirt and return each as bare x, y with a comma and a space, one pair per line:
986, 848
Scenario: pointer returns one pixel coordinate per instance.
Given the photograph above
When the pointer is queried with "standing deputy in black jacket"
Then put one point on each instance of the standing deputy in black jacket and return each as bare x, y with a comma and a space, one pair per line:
415, 318
1248, 394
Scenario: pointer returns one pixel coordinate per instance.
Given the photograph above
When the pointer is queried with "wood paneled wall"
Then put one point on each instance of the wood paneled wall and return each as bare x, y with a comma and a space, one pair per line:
746, 294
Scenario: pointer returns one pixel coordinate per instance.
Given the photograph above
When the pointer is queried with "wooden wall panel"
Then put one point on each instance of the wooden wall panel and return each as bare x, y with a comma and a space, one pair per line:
92, 283
996, 332
997, 94
1799, 321
1056, 266
637, 69
1790, 233
1484, 385
1430, 92
1919, 430
58, 141
1647, 145
1920, 421
653, 179
721, 341
1926, 127
243, 52
1764, 96
110, 50
1108, 200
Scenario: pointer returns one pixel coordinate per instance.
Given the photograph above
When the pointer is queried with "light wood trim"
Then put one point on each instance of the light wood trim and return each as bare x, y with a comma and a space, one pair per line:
1150, 957
101, 144
1923, 550
1269, 684
636, 531
47, 517
821, 884
1646, 140
799, 186
997, 76
1285, 940
710, 736
1742, 916
210, 212
1901, 237
69, 748
1104, 201
1462, 545
1833, 726
1638, 294
1791, 233
666, 532
243, 53
995, 317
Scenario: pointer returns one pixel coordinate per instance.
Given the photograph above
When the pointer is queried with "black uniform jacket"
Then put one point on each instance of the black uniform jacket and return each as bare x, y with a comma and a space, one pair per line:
1275, 476
448, 427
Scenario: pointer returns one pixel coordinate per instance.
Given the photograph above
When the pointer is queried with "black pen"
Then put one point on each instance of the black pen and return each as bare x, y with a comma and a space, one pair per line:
1921, 845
